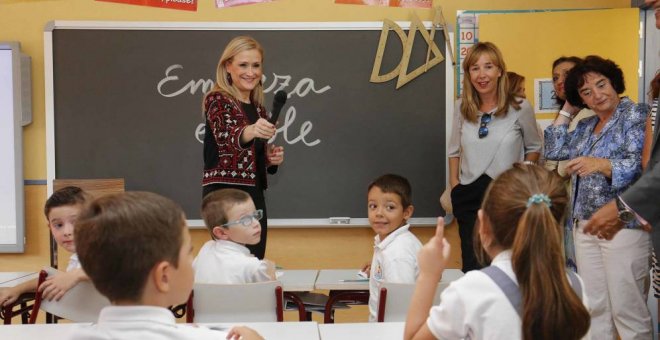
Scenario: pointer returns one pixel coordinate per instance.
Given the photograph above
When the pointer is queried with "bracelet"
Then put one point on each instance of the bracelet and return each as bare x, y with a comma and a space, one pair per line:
566, 114
529, 162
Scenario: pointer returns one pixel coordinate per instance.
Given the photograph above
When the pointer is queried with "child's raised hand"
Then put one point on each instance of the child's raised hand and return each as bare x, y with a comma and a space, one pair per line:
56, 286
243, 333
433, 256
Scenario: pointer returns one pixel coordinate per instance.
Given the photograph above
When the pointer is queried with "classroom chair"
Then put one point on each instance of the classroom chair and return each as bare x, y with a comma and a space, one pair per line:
343, 298
82, 303
20, 307
395, 297
299, 306
250, 302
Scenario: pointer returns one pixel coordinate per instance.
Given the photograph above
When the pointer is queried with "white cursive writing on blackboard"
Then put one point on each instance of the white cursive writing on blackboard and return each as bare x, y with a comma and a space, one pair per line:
279, 82
289, 118
305, 128
302, 88
192, 86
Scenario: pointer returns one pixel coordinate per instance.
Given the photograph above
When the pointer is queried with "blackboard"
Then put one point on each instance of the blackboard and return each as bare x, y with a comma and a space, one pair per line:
126, 103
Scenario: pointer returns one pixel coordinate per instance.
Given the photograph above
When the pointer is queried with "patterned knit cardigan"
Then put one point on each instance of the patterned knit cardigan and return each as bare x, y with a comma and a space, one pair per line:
227, 161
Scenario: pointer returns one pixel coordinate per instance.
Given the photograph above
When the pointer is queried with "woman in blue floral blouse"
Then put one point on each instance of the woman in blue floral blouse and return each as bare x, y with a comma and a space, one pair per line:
605, 158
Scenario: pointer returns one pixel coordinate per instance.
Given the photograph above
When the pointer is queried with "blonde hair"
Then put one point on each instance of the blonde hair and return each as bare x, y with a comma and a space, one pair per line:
216, 204
471, 100
222, 85
533, 231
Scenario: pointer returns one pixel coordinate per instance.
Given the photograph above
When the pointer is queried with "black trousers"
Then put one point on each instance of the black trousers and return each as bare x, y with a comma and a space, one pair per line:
466, 201
257, 195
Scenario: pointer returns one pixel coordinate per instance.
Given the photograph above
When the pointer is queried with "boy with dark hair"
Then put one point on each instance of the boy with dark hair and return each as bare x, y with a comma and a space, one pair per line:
136, 249
62, 209
233, 221
389, 206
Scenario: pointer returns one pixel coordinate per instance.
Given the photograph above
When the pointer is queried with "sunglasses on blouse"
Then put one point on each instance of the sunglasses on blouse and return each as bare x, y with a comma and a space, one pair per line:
246, 220
483, 127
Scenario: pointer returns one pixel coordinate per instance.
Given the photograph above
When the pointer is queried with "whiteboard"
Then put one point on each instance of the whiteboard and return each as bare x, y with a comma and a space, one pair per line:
12, 218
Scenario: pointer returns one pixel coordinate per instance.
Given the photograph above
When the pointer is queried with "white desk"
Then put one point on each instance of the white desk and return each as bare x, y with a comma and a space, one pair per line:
297, 280
345, 285
11, 279
279, 330
372, 330
269, 330
449, 275
341, 279
37, 331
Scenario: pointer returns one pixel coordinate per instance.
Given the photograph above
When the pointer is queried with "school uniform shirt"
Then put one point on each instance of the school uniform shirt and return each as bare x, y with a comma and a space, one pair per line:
227, 262
141, 323
394, 260
474, 307
74, 263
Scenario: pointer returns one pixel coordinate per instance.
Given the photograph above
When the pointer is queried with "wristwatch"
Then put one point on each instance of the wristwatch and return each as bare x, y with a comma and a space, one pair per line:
625, 215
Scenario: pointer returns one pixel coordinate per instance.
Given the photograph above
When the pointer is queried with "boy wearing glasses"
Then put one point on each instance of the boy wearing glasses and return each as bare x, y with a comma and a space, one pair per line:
233, 221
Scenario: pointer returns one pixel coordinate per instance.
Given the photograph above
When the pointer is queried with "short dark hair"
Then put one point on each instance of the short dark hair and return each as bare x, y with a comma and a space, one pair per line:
216, 204
572, 59
391, 183
66, 196
563, 59
593, 63
121, 237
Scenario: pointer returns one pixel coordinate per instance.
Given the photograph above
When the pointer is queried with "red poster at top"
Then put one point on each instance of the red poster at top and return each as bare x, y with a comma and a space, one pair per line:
186, 5
389, 3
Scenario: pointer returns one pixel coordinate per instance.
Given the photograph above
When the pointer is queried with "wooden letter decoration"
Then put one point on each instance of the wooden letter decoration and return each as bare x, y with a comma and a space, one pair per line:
407, 43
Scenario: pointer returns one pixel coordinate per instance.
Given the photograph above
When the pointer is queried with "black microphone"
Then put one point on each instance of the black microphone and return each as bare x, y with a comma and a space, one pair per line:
278, 103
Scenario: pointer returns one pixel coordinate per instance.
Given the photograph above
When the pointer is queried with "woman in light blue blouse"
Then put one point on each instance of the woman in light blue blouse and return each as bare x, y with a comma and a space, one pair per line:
605, 158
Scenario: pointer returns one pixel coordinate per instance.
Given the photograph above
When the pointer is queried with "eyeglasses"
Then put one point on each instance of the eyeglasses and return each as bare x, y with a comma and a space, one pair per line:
483, 128
246, 220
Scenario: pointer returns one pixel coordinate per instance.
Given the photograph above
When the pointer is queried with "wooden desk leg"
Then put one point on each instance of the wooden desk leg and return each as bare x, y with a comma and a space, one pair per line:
361, 296
303, 315
7, 314
25, 316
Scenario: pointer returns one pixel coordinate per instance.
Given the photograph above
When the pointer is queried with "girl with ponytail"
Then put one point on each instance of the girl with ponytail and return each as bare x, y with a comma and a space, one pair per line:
526, 293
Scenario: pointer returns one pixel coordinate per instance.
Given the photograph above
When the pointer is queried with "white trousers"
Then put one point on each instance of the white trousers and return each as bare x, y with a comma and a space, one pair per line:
616, 280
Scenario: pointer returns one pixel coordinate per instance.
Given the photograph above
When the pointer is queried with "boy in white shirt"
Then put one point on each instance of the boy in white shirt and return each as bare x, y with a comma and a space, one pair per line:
233, 221
61, 210
136, 249
395, 247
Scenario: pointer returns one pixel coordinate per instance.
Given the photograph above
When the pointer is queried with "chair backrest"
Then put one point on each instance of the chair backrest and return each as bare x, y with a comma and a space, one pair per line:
95, 187
250, 302
395, 298
82, 303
